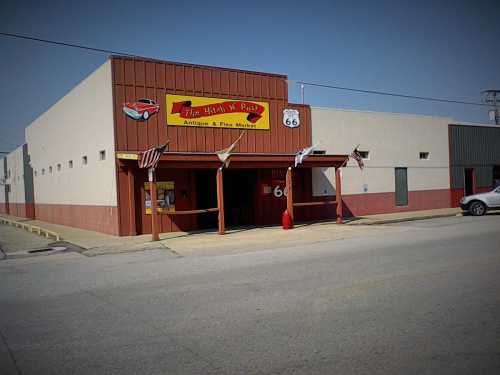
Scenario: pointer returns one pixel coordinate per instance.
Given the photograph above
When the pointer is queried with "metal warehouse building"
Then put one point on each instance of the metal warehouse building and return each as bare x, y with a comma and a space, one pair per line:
474, 159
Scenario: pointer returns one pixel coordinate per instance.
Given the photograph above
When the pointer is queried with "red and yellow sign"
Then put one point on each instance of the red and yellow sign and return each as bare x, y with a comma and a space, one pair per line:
216, 113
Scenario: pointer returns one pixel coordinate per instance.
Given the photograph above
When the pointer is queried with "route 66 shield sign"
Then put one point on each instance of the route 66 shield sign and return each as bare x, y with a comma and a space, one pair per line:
291, 118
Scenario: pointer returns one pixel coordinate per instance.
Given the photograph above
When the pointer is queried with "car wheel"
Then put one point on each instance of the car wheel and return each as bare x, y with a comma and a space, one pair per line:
145, 115
477, 208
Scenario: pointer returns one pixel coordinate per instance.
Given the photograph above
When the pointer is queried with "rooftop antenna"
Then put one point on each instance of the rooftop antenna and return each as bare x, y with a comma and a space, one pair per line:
492, 97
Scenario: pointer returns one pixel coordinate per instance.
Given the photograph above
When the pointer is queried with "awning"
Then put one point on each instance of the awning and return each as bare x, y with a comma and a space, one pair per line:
242, 160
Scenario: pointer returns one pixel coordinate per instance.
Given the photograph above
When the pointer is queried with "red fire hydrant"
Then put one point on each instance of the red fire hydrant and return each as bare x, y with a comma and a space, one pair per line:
286, 220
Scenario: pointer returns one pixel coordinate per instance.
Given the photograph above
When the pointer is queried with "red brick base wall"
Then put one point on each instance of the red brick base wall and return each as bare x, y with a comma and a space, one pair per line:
384, 203
376, 203
102, 219
26, 210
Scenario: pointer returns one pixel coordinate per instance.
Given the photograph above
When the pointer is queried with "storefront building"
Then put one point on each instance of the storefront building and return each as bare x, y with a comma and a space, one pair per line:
91, 139
80, 164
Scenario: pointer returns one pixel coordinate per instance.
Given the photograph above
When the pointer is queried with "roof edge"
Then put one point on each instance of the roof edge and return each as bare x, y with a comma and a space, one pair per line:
140, 58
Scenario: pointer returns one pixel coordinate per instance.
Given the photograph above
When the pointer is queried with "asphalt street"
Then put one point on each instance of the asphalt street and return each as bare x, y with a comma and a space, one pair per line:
419, 297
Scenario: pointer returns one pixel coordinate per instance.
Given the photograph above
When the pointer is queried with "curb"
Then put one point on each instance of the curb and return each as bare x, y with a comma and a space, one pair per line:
401, 220
32, 228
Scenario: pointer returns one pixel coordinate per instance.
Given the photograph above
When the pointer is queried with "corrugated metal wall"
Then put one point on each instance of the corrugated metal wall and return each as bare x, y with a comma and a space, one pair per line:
473, 147
137, 78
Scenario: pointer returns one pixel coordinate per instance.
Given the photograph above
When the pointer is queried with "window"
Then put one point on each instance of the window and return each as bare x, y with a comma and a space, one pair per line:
43, 171
365, 154
58, 167
50, 169
70, 164
102, 155
8, 174
36, 173
84, 160
424, 156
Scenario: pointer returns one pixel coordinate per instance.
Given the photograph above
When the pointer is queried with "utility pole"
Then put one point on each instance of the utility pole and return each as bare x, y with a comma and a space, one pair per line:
492, 97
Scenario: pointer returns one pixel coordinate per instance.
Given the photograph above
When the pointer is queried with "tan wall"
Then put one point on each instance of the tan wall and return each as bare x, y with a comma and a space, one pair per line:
80, 124
394, 140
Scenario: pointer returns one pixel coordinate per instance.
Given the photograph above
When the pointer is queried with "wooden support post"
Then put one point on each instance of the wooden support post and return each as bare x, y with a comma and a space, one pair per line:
338, 195
220, 200
155, 228
289, 195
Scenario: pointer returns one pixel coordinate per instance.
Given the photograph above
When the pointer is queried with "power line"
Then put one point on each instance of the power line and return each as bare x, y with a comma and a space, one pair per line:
385, 93
18, 36
374, 92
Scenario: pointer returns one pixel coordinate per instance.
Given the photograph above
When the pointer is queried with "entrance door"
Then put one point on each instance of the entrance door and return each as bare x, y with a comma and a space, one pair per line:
239, 196
7, 191
401, 186
206, 197
469, 181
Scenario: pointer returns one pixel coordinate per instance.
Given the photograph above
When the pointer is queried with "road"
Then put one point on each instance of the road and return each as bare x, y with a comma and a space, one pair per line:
415, 298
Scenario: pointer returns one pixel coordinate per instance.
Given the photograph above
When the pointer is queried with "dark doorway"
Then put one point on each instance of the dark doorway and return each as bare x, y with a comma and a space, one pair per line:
206, 197
496, 176
239, 196
469, 181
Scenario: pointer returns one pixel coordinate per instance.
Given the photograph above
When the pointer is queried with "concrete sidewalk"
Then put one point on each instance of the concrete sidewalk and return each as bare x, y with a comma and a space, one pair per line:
92, 243
403, 216
236, 240
13, 240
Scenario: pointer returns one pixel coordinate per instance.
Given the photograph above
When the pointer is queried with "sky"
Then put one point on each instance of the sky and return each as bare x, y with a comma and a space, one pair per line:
432, 48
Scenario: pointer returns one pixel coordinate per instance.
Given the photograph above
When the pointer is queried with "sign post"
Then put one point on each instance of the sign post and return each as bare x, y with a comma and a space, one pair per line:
154, 205
289, 190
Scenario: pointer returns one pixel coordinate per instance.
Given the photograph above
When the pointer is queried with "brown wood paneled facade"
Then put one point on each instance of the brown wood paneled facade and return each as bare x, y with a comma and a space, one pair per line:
134, 79
141, 78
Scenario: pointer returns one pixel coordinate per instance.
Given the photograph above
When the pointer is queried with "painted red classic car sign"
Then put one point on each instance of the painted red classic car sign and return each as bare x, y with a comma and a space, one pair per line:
141, 109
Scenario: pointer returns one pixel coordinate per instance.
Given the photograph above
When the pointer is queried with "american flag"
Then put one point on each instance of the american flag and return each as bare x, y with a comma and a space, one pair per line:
150, 158
357, 156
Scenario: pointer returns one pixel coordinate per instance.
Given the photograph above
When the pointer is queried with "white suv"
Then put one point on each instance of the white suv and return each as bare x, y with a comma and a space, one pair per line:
478, 204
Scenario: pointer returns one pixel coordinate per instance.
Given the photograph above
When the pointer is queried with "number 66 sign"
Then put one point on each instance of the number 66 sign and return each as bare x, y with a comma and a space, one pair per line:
278, 191
291, 118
